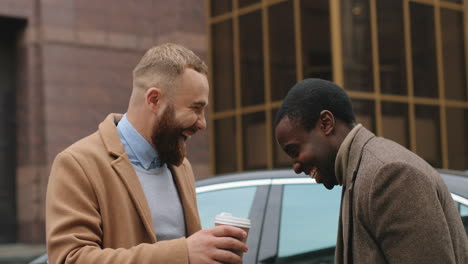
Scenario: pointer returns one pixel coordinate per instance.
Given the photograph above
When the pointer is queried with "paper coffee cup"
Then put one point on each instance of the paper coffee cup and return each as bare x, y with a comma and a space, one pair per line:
227, 219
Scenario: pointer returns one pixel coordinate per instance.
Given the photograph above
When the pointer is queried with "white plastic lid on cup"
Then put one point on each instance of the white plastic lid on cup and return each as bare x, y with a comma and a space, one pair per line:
227, 219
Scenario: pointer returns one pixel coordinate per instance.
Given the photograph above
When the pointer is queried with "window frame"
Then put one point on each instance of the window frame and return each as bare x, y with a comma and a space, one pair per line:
337, 39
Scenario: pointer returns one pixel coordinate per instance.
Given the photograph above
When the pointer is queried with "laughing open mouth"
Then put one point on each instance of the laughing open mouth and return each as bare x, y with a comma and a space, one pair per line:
313, 173
187, 133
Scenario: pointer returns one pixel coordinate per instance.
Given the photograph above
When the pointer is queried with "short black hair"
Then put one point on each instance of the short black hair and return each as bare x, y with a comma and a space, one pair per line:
308, 98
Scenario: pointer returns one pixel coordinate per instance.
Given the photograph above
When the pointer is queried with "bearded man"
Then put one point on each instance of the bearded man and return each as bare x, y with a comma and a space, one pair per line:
126, 193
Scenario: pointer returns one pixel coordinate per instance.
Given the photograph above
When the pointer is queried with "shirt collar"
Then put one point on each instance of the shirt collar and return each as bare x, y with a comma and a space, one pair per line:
140, 152
341, 162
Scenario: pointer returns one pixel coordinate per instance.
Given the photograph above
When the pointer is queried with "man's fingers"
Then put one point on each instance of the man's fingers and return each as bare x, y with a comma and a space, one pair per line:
226, 256
230, 243
218, 244
229, 231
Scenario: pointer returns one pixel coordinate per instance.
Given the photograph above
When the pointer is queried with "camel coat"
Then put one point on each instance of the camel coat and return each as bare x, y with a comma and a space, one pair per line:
96, 210
397, 208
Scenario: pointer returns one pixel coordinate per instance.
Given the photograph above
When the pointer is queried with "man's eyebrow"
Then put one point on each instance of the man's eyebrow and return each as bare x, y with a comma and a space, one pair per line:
199, 103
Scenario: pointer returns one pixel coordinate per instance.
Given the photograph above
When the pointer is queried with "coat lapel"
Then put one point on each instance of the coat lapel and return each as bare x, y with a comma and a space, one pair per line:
357, 147
125, 170
339, 251
182, 176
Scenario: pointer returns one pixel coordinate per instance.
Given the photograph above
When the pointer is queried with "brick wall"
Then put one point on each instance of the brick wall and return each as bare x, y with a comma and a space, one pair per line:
75, 63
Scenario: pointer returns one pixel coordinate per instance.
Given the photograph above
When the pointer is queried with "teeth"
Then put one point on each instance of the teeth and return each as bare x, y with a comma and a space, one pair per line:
313, 173
186, 134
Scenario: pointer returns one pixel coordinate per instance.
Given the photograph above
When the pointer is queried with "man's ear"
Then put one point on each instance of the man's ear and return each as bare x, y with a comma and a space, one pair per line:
153, 98
327, 122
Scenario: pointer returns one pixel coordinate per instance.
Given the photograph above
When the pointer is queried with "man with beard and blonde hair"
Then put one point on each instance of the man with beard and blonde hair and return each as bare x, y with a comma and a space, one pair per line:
126, 193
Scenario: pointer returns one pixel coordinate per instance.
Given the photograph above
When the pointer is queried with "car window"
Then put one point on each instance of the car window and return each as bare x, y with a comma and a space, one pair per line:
309, 223
237, 201
463, 209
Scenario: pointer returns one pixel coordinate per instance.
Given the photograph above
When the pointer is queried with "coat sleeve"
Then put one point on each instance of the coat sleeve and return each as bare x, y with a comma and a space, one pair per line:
74, 227
407, 216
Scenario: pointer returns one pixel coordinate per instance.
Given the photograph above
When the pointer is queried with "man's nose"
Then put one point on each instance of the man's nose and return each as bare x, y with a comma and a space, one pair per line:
297, 167
201, 122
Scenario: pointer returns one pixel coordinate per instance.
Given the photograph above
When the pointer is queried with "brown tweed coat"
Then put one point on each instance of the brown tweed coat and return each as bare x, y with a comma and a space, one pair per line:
397, 209
96, 210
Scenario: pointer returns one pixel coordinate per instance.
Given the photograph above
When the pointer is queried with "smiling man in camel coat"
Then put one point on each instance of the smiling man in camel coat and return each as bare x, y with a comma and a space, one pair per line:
126, 193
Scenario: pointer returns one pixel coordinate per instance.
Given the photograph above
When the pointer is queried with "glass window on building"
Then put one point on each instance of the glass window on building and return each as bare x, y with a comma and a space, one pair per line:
254, 131
364, 110
280, 158
453, 1
219, 7
391, 38
248, 44
316, 43
453, 48
222, 66
225, 147
457, 131
251, 58
395, 122
244, 3
357, 46
428, 134
403, 64
423, 49
282, 49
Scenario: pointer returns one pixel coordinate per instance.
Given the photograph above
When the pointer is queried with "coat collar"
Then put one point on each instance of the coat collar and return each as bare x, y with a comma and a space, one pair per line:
341, 161
109, 135
123, 167
357, 147
343, 252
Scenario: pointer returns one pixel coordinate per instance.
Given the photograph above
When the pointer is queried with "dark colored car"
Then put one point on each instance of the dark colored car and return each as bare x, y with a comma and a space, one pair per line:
294, 220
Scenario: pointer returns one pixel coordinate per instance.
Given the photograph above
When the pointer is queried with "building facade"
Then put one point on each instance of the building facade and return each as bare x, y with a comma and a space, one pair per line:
403, 62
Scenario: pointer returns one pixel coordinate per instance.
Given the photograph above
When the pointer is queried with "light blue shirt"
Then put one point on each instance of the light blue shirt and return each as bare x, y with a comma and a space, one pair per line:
157, 183
140, 152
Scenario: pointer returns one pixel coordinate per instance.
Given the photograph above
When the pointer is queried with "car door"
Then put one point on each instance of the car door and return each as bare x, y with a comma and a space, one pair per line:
248, 200
301, 223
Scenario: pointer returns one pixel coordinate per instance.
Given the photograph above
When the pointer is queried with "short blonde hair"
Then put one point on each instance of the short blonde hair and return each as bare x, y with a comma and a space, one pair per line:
161, 67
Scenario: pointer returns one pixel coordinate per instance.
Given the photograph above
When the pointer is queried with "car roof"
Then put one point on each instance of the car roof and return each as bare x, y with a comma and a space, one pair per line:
457, 181
250, 175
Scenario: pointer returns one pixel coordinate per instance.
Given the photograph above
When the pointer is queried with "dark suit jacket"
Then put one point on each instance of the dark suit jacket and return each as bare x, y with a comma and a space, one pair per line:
96, 210
397, 210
